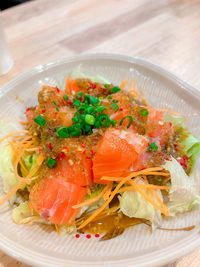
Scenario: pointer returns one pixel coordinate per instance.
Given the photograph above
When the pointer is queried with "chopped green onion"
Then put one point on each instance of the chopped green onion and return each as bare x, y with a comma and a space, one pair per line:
105, 118
109, 97
62, 132
101, 98
65, 97
51, 163
106, 85
141, 130
115, 101
30, 159
79, 95
144, 112
55, 105
75, 119
115, 89
130, 120
89, 119
40, 121
113, 122
93, 100
76, 102
100, 109
115, 107
75, 130
89, 110
152, 147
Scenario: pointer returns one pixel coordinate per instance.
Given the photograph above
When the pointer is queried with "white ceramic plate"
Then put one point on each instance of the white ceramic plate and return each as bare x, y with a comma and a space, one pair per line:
40, 246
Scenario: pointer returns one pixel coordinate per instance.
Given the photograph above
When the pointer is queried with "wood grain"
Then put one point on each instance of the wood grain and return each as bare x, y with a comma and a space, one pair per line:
166, 32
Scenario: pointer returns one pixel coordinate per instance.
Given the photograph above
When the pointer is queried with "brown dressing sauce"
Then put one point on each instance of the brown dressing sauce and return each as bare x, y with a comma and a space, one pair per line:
109, 222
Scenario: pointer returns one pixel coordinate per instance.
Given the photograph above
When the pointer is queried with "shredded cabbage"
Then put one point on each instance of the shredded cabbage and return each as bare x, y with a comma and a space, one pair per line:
132, 204
77, 73
6, 160
184, 193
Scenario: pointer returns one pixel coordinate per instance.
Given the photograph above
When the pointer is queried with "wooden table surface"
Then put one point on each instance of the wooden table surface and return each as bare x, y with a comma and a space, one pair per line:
165, 31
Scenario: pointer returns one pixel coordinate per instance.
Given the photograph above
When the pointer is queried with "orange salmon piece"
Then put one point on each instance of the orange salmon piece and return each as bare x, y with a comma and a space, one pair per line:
54, 198
78, 172
116, 152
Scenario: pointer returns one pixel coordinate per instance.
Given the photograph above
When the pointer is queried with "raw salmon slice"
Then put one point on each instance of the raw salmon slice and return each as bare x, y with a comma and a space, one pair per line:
54, 198
78, 171
116, 152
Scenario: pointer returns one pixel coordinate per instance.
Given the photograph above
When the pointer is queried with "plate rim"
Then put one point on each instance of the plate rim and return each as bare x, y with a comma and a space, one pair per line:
156, 68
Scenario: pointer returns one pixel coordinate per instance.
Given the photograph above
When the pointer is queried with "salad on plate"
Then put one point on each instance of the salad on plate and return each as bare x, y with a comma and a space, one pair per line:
97, 158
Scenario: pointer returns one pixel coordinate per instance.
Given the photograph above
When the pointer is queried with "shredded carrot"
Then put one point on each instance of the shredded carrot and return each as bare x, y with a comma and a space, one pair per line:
23, 122
88, 190
91, 200
56, 227
162, 210
114, 192
12, 134
32, 149
148, 186
15, 151
144, 101
14, 190
158, 199
169, 111
123, 84
135, 174
131, 86
108, 192
135, 92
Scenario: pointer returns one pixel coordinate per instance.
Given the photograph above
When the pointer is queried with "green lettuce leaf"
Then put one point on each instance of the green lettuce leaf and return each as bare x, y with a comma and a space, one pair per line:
132, 204
190, 145
77, 73
30, 162
23, 215
177, 120
184, 194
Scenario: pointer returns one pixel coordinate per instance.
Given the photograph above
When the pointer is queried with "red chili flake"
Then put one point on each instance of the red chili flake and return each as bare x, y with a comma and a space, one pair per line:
28, 109
50, 146
88, 236
83, 233
56, 113
77, 235
88, 157
70, 102
58, 90
97, 235
170, 124
83, 145
84, 152
92, 85
185, 158
121, 109
182, 163
177, 149
61, 155
93, 152
43, 110
167, 159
